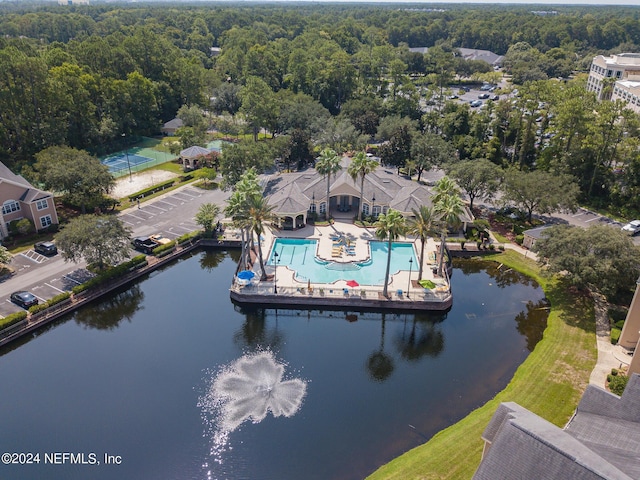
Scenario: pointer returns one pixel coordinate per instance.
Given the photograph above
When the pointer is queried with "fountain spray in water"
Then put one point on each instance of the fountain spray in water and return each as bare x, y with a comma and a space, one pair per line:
248, 389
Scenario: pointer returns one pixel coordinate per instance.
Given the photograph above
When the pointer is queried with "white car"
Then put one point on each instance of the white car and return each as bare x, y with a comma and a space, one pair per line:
632, 227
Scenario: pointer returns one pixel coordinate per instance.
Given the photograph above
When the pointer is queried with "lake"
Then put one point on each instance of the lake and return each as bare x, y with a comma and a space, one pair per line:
138, 376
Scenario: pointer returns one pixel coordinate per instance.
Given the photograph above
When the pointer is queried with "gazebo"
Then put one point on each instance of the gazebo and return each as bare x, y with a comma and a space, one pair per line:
191, 155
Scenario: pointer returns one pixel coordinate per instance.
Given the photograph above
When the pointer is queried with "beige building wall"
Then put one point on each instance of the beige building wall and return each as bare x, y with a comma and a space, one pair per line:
631, 330
621, 67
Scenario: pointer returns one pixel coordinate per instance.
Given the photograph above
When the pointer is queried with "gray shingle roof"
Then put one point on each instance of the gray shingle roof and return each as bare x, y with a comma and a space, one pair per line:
602, 441
385, 185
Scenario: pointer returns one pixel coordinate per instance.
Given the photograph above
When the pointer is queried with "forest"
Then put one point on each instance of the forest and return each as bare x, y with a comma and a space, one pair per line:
328, 75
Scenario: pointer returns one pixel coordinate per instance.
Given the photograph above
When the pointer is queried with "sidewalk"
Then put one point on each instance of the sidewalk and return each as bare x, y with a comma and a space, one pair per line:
609, 355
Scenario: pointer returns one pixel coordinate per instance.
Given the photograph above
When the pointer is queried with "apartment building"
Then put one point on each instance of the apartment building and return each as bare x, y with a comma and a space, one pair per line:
20, 199
623, 72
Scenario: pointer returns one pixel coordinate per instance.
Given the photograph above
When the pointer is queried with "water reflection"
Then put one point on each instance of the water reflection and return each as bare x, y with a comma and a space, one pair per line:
255, 333
533, 322
423, 338
379, 364
502, 276
109, 312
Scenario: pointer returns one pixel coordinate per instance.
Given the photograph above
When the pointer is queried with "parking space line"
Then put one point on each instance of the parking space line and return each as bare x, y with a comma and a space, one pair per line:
155, 206
592, 219
578, 214
55, 288
164, 201
183, 228
185, 193
140, 218
72, 279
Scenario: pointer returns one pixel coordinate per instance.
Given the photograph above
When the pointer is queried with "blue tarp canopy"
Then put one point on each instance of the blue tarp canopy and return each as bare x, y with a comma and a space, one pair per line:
246, 275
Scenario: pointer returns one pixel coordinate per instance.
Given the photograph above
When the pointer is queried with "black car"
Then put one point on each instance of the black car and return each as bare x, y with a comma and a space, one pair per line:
24, 299
46, 248
483, 95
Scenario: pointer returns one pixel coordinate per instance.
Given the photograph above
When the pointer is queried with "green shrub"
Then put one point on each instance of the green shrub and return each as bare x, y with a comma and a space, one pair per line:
615, 335
519, 239
107, 275
12, 319
151, 190
614, 371
617, 383
187, 237
619, 324
167, 247
51, 302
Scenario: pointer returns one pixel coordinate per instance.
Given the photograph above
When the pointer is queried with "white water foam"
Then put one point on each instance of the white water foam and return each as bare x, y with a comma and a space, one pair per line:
248, 389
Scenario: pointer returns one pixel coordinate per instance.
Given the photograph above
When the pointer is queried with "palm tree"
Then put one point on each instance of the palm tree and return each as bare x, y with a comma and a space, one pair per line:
328, 164
449, 209
422, 226
361, 166
206, 216
389, 227
259, 212
247, 187
236, 209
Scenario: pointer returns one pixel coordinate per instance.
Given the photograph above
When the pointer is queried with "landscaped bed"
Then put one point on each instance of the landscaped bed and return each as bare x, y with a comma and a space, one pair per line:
549, 383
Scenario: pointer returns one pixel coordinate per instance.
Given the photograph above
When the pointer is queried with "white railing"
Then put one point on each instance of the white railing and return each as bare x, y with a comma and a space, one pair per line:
363, 293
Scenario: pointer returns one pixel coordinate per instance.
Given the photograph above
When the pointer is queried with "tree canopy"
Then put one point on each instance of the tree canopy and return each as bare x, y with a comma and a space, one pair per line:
80, 177
98, 239
598, 257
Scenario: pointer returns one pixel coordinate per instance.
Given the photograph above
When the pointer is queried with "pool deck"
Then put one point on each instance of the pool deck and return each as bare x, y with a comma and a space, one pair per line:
403, 293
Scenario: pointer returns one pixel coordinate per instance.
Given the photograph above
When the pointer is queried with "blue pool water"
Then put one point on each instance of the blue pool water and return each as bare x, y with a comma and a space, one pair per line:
300, 255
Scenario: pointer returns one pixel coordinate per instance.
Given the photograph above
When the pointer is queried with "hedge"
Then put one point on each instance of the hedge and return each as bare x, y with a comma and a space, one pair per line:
50, 303
107, 275
151, 190
165, 249
188, 237
12, 319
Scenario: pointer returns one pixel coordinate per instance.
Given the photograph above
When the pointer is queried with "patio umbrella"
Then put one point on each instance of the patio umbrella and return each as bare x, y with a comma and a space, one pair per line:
353, 283
246, 275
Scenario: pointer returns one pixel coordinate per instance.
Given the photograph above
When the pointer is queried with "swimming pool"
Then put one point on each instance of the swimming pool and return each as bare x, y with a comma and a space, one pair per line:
300, 256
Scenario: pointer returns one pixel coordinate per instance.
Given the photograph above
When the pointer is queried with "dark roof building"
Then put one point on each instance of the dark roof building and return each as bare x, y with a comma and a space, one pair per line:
601, 441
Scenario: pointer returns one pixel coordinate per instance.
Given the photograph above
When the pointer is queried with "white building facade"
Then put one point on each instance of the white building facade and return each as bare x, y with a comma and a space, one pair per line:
623, 70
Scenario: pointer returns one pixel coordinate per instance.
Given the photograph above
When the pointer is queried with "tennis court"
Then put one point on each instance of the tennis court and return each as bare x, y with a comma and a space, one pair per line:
135, 160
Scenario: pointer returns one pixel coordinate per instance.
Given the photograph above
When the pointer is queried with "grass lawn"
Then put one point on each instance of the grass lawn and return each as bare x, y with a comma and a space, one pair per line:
550, 383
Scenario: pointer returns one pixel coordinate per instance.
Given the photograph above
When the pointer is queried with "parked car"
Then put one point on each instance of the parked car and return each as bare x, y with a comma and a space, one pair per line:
632, 227
483, 96
495, 98
475, 103
46, 248
24, 299
486, 87
453, 97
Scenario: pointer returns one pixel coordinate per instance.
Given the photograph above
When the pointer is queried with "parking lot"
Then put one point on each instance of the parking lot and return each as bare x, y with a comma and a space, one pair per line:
171, 215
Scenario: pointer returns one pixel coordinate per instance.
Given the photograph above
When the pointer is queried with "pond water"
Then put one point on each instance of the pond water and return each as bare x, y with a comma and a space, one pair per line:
172, 381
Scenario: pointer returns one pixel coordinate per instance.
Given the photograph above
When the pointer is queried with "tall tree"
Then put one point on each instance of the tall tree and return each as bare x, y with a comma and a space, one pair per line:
76, 174
424, 224
389, 227
99, 239
327, 165
429, 150
258, 105
478, 178
540, 191
259, 212
599, 258
361, 166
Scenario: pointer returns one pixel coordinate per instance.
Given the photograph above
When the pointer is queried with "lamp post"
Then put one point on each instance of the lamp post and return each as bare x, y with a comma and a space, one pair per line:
409, 284
373, 206
126, 152
275, 273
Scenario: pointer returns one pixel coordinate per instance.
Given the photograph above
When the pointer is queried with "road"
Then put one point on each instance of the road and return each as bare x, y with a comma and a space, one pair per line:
171, 215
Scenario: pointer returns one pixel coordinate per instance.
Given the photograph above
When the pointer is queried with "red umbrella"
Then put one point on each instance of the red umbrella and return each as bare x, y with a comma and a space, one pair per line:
353, 283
